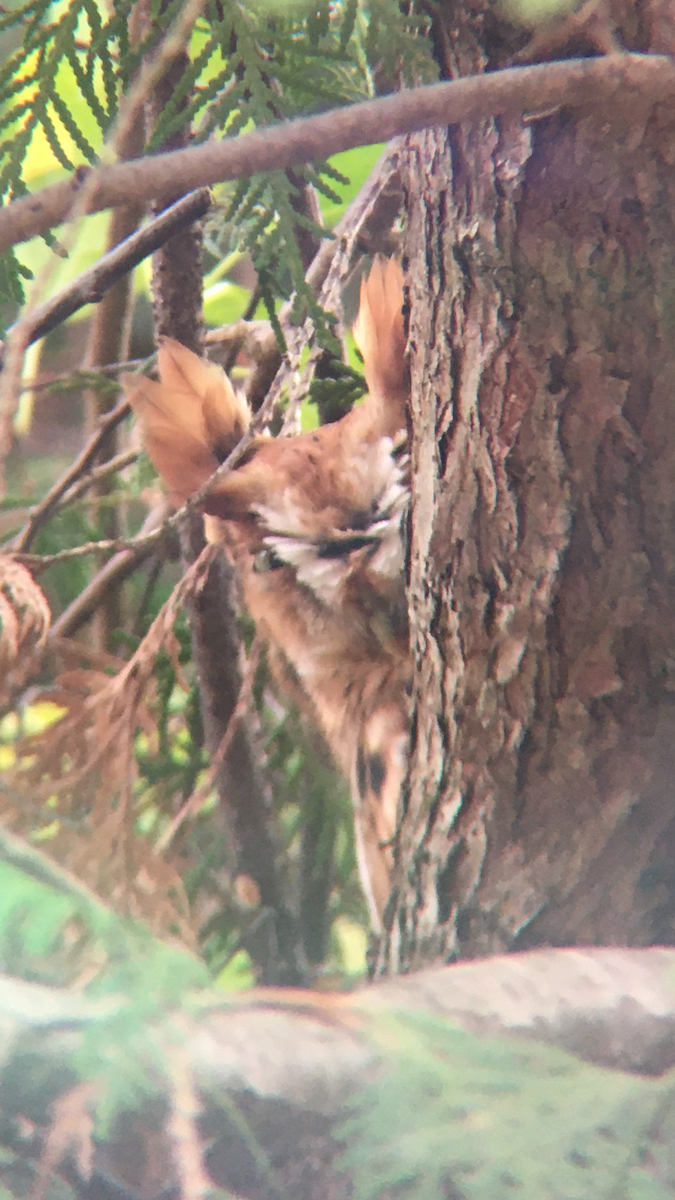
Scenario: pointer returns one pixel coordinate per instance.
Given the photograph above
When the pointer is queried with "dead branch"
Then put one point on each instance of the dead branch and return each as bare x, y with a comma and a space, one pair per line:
576, 83
197, 798
40, 562
119, 568
42, 511
92, 284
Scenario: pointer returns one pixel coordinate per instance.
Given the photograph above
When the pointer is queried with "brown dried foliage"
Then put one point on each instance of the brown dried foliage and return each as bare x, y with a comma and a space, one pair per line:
82, 771
24, 621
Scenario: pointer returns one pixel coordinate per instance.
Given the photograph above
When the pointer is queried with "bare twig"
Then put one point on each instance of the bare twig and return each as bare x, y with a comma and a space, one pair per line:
80, 377
42, 511
112, 574
575, 83
252, 335
91, 285
40, 562
200, 794
98, 474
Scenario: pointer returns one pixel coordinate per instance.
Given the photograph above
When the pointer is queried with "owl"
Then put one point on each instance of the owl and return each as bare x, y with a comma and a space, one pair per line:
314, 524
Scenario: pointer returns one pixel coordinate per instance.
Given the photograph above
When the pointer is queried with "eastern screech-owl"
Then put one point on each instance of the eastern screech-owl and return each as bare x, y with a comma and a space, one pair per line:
314, 524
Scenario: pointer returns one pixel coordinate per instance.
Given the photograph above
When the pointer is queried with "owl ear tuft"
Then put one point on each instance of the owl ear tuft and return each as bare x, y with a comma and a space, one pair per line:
380, 335
190, 419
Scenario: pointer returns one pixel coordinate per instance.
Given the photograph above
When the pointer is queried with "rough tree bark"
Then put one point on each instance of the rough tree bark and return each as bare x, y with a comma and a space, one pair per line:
542, 572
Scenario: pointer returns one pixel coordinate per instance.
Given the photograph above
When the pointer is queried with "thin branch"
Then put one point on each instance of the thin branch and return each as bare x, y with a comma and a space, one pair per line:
112, 574
40, 562
200, 794
144, 541
42, 511
577, 83
249, 335
75, 380
91, 285
122, 460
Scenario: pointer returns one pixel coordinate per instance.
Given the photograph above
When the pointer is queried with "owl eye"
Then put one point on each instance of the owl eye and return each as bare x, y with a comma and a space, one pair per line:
340, 547
266, 560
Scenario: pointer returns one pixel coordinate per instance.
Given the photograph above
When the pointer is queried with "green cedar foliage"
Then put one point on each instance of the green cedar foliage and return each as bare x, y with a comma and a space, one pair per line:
53, 930
65, 66
465, 1116
119, 986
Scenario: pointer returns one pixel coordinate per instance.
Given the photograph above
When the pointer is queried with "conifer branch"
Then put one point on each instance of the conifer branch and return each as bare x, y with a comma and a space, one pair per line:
91, 285
578, 83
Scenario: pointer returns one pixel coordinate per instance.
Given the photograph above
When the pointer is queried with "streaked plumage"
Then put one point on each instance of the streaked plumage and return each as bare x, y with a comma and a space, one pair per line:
314, 523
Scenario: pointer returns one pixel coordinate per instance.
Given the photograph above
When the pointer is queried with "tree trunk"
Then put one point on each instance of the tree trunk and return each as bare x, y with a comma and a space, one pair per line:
542, 564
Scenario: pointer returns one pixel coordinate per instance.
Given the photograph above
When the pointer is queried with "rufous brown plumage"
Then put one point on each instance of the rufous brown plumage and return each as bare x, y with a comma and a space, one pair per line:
314, 524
